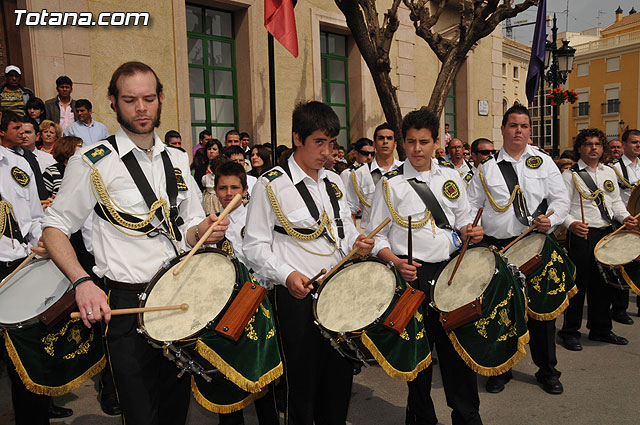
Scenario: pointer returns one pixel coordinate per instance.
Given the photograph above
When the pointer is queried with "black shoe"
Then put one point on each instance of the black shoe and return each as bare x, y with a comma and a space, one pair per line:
571, 343
622, 317
57, 412
610, 338
495, 384
550, 384
109, 404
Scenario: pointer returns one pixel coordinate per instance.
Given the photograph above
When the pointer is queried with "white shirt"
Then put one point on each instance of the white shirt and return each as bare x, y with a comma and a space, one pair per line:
26, 206
426, 247
463, 169
66, 115
237, 219
592, 215
44, 159
274, 255
366, 186
543, 182
633, 172
118, 256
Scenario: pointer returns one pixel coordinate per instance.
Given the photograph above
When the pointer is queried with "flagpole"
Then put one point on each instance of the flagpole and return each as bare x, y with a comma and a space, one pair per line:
272, 100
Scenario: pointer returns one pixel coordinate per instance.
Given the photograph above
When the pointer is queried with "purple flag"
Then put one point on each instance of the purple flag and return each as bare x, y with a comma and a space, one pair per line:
536, 63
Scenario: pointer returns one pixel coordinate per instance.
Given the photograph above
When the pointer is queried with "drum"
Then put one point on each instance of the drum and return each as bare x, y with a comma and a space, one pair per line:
549, 271
49, 361
617, 258
350, 308
493, 343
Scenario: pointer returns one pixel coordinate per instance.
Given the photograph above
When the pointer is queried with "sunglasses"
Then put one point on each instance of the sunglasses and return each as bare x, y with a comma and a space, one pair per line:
366, 153
486, 151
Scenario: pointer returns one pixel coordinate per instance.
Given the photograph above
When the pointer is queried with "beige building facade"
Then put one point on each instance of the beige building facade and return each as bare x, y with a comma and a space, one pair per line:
212, 59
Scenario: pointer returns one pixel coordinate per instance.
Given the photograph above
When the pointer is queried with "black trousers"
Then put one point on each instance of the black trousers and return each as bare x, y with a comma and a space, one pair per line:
619, 300
265, 411
459, 381
318, 378
28, 408
542, 334
590, 284
149, 391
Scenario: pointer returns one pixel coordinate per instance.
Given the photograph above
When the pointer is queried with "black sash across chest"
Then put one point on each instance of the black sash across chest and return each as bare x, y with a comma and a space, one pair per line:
586, 178
519, 203
11, 228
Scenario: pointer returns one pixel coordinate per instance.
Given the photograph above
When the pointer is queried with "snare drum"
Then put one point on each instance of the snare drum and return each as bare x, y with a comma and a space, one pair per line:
616, 256
550, 274
350, 307
494, 342
49, 361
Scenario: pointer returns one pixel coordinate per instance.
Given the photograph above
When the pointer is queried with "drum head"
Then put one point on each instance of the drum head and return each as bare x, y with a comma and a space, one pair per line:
472, 278
621, 248
205, 284
31, 292
355, 296
525, 249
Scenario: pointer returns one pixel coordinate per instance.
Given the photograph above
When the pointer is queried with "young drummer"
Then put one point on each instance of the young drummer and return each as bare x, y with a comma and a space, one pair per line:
298, 222
434, 240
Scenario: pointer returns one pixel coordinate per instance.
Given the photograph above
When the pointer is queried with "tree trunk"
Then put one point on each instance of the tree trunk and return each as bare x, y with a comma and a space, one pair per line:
444, 82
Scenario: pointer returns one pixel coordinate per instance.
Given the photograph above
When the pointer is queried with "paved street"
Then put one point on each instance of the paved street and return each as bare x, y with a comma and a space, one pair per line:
601, 387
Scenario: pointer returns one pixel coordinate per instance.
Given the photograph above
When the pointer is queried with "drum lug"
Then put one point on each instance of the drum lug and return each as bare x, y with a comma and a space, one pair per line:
142, 296
314, 295
140, 331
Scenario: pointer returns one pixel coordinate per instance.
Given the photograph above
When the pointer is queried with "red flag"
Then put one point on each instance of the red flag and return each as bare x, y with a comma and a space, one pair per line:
280, 21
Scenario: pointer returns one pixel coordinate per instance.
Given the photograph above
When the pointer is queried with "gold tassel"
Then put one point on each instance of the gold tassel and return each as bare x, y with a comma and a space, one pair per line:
388, 368
557, 312
223, 408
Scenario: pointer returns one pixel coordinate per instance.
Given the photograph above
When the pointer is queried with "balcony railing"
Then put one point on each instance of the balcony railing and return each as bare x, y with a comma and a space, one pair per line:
612, 106
582, 110
609, 42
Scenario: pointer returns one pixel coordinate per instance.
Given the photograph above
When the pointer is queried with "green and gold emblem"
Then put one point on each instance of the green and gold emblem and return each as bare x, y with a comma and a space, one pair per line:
182, 186
467, 177
450, 190
20, 176
609, 186
391, 173
272, 175
96, 154
337, 190
534, 162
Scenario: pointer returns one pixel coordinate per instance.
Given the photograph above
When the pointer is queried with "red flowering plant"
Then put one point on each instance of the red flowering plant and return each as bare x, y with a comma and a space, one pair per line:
558, 96
572, 96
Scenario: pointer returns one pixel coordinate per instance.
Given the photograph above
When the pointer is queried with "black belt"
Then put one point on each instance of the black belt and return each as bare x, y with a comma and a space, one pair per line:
123, 286
280, 229
10, 264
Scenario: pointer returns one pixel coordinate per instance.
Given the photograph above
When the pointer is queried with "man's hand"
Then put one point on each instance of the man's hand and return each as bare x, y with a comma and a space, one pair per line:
91, 299
218, 231
40, 249
408, 271
631, 222
364, 245
475, 233
543, 224
579, 228
295, 284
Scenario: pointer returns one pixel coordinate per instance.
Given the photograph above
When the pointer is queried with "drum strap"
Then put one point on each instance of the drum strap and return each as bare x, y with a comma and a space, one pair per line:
12, 230
145, 189
625, 173
311, 205
520, 205
432, 204
33, 164
598, 194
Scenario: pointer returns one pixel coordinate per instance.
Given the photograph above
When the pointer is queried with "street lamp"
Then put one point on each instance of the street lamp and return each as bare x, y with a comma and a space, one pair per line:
559, 62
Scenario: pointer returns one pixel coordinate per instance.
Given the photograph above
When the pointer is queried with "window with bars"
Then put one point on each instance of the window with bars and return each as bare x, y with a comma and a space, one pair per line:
535, 112
335, 80
212, 71
450, 111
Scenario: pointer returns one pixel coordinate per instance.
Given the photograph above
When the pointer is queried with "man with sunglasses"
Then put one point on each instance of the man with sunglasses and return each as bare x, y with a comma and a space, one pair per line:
481, 149
363, 179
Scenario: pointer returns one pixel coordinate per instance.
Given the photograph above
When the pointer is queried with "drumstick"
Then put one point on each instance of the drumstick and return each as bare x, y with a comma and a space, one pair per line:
582, 212
637, 216
206, 235
20, 266
135, 310
526, 232
464, 248
409, 242
316, 277
355, 250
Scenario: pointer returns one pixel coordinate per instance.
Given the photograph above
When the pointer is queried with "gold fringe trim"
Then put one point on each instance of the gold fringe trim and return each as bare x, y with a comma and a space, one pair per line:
558, 311
388, 368
233, 375
630, 282
491, 371
44, 389
223, 408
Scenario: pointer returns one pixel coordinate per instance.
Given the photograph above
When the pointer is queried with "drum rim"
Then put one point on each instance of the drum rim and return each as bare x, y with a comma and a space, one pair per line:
35, 320
441, 269
165, 269
328, 277
602, 241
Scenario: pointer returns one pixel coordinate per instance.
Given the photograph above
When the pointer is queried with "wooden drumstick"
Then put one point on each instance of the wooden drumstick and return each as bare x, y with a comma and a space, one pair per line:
136, 310
582, 212
354, 250
316, 277
236, 199
525, 233
464, 248
20, 267
637, 216
409, 242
